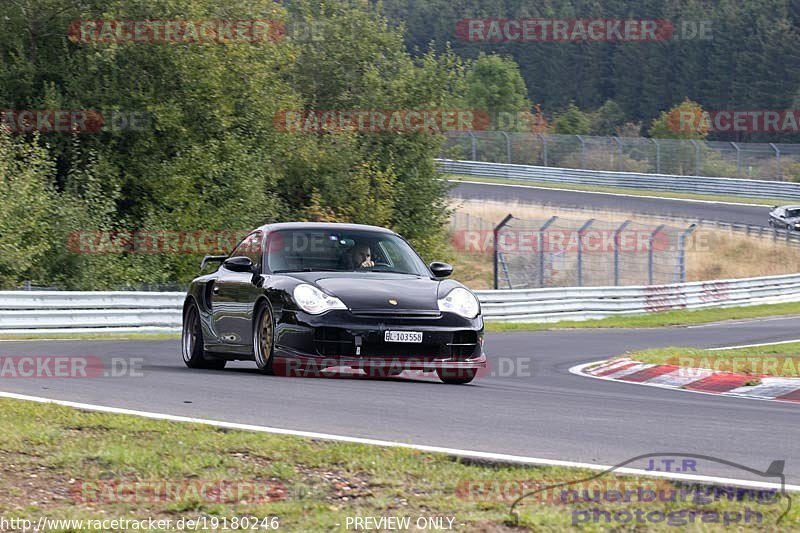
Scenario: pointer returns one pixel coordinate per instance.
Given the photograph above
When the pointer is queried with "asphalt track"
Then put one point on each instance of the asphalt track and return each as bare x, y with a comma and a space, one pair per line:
722, 212
529, 405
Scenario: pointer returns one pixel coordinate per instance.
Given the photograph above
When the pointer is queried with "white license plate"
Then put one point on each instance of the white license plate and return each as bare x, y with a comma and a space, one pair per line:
403, 336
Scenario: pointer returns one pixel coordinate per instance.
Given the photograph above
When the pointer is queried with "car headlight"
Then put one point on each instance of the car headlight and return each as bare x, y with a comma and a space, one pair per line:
461, 302
313, 301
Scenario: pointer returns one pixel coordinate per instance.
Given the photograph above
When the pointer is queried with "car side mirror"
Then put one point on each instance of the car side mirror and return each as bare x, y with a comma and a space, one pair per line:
441, 270
239, 264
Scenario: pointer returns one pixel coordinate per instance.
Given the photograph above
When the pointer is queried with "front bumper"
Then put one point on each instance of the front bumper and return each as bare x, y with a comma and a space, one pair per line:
344, 338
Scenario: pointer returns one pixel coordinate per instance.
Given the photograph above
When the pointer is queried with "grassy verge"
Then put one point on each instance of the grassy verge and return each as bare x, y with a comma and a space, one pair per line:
54, 459
779, 360
621, 190
659, 320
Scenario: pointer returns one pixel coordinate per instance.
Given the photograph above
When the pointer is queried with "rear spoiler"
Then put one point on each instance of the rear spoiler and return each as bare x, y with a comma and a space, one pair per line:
212, 259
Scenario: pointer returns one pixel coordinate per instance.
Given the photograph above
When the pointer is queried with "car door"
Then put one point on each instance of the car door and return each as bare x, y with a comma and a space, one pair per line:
234, 295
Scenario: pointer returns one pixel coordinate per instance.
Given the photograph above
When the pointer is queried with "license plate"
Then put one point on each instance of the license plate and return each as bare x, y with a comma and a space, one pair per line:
403, 336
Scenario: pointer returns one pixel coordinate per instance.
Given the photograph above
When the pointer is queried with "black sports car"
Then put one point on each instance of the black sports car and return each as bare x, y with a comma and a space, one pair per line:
298, 298
787, 217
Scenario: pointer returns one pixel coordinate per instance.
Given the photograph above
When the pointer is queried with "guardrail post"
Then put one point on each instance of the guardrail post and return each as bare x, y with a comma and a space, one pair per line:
580, 250
616, 250
496, 248
682, 252
619, 152
778, 159
474, 142
544, 143
738, 160
541, 248
658, 156
650, 259
508, 146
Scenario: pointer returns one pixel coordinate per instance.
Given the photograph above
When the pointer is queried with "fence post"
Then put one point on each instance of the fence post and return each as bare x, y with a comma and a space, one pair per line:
619, 151
738, 160
544, 142
778, 159
583, 151
580, 250
616, 250
682, 252
541, 249
658, 156
650, 259
495, 251
508, 146
474, 142
696, 158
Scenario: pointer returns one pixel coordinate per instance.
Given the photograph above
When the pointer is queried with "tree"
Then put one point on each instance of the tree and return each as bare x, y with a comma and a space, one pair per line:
684, 121
573, 121
608, 119
494, 84
28, 210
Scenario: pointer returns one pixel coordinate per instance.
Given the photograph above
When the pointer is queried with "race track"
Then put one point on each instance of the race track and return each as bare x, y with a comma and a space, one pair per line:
545, 413
723, 212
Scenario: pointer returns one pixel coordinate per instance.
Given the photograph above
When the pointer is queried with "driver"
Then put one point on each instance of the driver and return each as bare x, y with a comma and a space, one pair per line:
362, 256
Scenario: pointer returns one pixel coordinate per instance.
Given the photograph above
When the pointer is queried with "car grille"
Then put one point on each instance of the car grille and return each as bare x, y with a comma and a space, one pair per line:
335, 342
379, 314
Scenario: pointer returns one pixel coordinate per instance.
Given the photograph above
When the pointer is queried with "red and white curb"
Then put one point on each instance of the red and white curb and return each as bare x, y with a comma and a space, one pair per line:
698, 380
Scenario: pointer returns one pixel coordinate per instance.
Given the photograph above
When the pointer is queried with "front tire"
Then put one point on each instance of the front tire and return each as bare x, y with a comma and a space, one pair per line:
192, 344
264, 340
456, 376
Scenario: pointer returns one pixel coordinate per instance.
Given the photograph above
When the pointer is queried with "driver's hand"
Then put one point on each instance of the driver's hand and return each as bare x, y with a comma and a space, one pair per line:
367, 264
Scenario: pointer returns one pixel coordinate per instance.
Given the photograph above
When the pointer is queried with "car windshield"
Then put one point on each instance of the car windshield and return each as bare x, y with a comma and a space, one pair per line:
326, 250
793, 213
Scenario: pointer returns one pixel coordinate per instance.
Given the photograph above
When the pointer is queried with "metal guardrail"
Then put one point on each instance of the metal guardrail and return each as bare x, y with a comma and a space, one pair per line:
90, 312
26, 312
588, 303
631, 180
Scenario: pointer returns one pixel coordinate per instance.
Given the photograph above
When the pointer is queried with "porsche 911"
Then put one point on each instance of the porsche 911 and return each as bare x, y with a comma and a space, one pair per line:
300, 297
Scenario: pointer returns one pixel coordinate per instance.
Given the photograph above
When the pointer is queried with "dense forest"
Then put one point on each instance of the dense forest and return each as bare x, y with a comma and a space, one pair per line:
191, 140
748, 59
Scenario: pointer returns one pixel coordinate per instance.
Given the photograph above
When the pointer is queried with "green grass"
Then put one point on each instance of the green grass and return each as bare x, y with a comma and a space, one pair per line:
660, 320
779, 360
48, 452
622, 190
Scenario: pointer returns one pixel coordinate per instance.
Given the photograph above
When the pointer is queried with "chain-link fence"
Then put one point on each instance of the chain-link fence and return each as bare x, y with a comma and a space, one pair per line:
629, 154
561, 252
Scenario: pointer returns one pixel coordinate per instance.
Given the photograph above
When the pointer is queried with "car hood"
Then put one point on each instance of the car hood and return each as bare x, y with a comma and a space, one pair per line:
373, 291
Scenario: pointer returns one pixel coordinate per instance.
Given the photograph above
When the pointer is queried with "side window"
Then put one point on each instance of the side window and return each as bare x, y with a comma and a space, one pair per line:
250, 247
